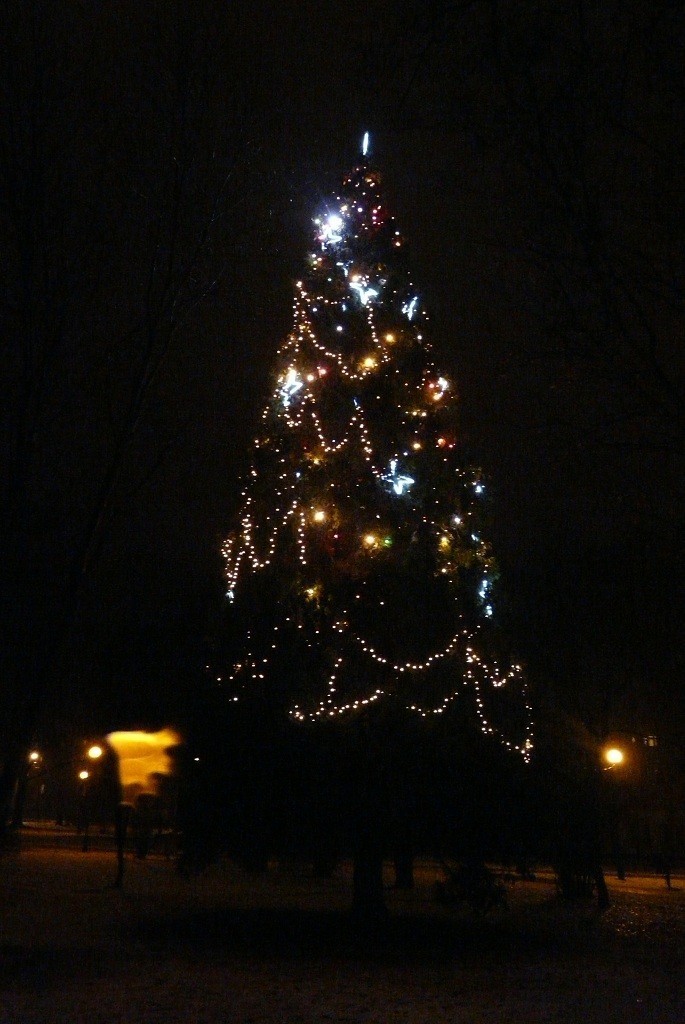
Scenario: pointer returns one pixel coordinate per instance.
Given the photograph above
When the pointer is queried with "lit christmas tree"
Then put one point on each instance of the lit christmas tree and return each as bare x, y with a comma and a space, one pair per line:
360, 573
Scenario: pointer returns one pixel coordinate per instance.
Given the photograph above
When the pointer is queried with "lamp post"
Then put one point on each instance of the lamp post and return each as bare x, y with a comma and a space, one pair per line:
94, 753
84, 775
615, 760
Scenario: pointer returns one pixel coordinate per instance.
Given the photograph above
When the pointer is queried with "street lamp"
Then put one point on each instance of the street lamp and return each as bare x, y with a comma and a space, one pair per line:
83, 775
613, 756
34, 757
95, 752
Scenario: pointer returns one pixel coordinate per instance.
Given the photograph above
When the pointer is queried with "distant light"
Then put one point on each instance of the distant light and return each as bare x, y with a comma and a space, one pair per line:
34, 756
365, 144
95, 752
83, 775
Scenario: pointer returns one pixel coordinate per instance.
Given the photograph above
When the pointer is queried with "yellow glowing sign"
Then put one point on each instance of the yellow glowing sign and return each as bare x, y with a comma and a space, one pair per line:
143, 757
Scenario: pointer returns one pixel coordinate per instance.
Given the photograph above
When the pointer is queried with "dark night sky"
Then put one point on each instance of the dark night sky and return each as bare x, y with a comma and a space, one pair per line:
584, 528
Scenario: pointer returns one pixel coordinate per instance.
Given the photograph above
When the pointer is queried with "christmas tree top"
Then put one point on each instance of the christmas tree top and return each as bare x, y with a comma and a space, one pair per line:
360, 570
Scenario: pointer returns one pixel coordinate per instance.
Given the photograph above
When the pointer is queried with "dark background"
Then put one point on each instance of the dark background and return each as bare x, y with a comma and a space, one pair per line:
163, 162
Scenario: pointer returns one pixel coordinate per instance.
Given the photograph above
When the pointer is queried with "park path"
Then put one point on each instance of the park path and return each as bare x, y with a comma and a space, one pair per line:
279, 950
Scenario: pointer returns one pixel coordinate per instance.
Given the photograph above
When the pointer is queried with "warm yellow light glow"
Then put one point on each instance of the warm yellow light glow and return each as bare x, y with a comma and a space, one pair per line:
444, 541
389, 338
319, 515
369, 363
84, 775
34, 756
417, 446
95, 752
614, 756
370, 540
143, 757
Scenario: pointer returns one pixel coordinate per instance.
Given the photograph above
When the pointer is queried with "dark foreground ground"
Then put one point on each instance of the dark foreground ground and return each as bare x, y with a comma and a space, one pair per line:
280, 950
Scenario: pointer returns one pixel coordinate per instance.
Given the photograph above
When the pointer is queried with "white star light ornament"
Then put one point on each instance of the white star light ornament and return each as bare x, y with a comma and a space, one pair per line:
361, 287
409, 308
331, 229
399, 483
290, 385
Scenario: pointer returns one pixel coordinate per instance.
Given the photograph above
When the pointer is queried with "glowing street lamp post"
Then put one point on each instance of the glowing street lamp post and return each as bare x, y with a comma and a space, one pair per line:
615, 758
94, 753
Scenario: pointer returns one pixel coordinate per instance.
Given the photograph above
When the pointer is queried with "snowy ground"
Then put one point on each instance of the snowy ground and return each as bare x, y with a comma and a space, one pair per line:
279, 950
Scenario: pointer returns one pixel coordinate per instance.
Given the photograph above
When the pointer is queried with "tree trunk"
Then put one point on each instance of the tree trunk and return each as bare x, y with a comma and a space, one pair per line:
603, 900
368, 901
370, 830
404, 869
9, 781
